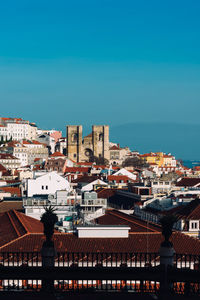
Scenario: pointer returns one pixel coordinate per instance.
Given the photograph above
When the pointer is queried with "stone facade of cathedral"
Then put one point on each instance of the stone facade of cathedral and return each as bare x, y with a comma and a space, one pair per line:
95, 144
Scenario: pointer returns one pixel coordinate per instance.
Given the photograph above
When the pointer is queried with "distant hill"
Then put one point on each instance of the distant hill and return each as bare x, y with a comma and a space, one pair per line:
182, 140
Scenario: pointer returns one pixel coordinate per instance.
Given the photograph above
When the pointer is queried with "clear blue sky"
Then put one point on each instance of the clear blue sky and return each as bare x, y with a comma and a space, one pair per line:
100, 61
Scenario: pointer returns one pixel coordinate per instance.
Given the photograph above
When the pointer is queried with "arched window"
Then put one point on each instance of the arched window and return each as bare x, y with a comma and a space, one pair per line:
101, 137
74, 137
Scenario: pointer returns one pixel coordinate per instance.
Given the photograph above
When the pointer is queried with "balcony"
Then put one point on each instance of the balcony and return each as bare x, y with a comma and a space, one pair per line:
136, 275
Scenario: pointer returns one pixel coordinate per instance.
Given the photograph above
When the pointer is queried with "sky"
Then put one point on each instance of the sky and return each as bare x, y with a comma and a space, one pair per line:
100, 61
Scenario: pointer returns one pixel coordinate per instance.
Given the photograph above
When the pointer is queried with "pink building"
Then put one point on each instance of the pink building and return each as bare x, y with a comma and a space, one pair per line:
56, 135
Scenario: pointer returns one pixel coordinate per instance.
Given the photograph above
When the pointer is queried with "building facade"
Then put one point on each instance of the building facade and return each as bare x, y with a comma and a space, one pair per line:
94, 144
17, 129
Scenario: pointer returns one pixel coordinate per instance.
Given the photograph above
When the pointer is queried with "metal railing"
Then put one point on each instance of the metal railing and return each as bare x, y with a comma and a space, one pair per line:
80, 271
93, 259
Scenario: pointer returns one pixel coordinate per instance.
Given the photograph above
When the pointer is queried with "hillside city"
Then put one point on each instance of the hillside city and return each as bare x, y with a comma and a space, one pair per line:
107, 198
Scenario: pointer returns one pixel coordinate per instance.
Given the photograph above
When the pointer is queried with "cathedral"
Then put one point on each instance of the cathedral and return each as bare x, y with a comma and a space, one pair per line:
95, 144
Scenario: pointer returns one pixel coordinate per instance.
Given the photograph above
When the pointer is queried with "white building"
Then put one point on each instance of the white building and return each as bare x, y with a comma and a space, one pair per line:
48, 140
161, 186
35, 150
9, 161
47, 184
125, 172
91, 206
18, 150
90, 186
62, 201
17, 129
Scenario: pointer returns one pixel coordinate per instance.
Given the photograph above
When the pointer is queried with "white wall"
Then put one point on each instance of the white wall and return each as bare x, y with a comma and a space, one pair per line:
47, 184
103, 232
126, 173
90, 186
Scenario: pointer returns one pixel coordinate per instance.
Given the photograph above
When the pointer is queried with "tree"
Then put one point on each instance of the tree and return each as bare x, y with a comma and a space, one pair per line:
167, 223
99, 160
135, 162
49, 219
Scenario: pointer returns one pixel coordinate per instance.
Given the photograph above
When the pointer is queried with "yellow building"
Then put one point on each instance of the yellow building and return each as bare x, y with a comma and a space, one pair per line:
159, 158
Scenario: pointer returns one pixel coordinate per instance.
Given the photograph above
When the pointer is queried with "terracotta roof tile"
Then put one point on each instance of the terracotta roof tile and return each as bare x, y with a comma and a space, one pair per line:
15, 224
2, 168
115, 148
20, 233
114, 217
7, 156
8, 205
12, 190
76, 169
86, 179
136, 242
118, 178
57, 154
188, 181
105, 193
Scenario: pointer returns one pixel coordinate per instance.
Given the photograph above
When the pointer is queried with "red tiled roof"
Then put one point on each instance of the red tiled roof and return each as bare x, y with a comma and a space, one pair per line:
86, 179
188, 181
99, 167
89, 135
37, 159
136, 242
14, 225
118, 178
27, 142
179, 172
116, 168
115, 148
105, 193
189, 211
7, 156
8, 205
2, 168
197, 168
11, 190
21, 233
13, 181
114, 217
76, 169
57, 154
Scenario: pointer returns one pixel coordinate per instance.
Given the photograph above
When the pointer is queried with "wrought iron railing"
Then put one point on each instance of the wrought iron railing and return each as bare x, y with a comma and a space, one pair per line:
80, 271
92, 259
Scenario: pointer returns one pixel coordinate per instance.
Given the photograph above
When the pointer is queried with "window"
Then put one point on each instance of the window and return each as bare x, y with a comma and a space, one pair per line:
101, 137
42, 187
74, 155
194, 225
74, 137
46, 187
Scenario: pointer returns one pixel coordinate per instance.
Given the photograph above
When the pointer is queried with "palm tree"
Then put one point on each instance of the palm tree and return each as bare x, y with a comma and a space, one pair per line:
49, 219
167, 223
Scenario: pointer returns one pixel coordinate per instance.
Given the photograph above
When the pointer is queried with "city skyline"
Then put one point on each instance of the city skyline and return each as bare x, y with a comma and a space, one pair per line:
101, 63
